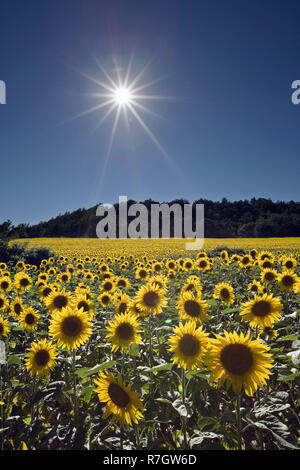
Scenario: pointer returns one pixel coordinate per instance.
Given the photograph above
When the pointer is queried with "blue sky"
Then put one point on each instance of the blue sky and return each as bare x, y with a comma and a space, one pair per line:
230, 128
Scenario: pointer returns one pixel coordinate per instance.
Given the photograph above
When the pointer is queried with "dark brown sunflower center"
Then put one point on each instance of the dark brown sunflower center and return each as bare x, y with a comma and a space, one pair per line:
105, 299
171, 265
47, 291
17, 309
125, 331
29, 319
151, 299
245, 260
24, 282
157, 267
1, 303
118, 396
71, 326
269, 276
202, 264
189, 345
236, 359
84, 305
143, 273
64, 277
122, 283
287, 281
107, 286
267, 264
188, 265
289, 264
122, 307
60, 301
261, 308
224, 293
42, 357
254, 288
192, 308
4, 285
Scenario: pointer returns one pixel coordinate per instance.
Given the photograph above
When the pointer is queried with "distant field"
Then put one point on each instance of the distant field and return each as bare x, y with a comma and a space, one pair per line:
153, 247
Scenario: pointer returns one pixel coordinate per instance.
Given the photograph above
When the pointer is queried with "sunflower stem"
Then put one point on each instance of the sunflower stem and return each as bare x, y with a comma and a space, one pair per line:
183, 402
75, 389
33, 393
2, 408
239, 421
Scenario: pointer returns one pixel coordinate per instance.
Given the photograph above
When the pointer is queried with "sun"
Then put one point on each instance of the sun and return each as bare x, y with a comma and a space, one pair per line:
122, 96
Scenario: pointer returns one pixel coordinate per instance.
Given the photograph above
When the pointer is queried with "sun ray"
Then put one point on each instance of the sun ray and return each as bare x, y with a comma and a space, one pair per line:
154, 139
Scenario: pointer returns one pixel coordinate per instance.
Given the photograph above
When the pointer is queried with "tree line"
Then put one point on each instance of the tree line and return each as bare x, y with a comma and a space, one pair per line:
224, 219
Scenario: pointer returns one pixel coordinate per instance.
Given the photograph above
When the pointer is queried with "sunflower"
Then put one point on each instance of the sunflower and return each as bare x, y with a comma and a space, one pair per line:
122, 303
159, 281
245, 261
287, 280
3, 302
239, 362
268, 333
70, 328
40, 359
188, 264
4, 330
189, 345
81, 302
122, 282
64, 277
45, 291
142, 273
151, 299
268, 276
255, 287
266, 264
124, 404
262, 311
104, 299
265, 255
202, 264
5, 284
123, 331
134, 309
108, 285
28, 319
289, 263
171, 264
16, 307
224, 292
58, 300
192, 284
22, 282
192, 308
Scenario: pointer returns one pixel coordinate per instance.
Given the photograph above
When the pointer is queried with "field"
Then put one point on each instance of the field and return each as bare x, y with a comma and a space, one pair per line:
141, 344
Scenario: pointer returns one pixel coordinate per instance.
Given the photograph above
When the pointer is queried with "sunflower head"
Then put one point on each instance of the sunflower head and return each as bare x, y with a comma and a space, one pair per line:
189, 345
122, 403
192, 308
239, 362
123, 331
40, 359
70, 328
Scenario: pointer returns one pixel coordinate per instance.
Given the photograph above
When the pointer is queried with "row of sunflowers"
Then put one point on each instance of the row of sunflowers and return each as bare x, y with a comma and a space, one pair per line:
127, 352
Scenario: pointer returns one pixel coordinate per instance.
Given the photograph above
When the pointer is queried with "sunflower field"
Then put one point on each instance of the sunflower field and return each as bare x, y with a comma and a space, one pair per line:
151, 348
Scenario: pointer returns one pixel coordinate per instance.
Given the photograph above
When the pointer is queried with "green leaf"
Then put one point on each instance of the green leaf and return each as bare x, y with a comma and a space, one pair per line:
134, 350
13, 360
287, 338
86, 393
87, 371
167, 366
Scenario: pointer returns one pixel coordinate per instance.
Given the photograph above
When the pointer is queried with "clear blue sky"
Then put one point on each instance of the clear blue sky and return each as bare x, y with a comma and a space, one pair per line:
232, 131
